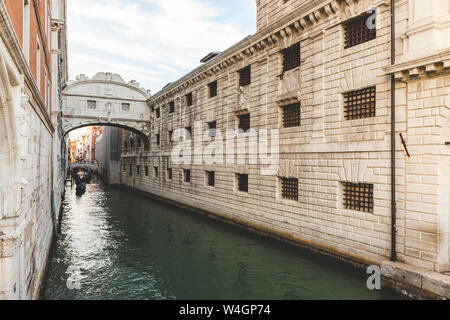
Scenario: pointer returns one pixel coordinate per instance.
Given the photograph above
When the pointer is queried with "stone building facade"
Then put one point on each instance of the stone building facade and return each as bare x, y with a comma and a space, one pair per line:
33, 67
317, 75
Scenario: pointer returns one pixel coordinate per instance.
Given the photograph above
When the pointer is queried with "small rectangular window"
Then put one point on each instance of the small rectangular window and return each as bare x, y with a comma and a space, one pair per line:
291, 115
360, 103
125, 107
156, 171
131, 170
138, 170
187, 175
158, 139
212, 87
210, 178
189, 100
170, 133
124, 168
171, 106
169, 174
358, 196
359, 30
289, 188
242, 182
212, 126
245, 76
146, 171
291, 57
244, 122
92, 104
158, 112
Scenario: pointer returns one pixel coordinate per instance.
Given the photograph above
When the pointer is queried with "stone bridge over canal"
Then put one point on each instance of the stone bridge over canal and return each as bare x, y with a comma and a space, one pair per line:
107, 100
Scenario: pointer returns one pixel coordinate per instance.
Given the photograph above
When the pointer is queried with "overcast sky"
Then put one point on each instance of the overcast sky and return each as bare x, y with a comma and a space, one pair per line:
152, 41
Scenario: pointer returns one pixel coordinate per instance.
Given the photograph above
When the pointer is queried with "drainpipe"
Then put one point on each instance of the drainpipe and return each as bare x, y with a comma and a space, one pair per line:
393, 196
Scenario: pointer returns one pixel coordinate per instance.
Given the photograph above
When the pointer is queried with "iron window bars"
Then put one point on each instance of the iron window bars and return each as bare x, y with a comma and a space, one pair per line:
357, 31
291, 57
360, 103
211, 177
212, 89
243, 182
291, 115
289, 188
187, 175
189, 101
171, 106
245, 76
358, 196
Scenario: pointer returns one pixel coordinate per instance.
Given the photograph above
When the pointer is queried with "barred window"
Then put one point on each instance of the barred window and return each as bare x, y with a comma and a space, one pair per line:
212, 87
146, 171
171, 106
210, 178
212, 126
360, 103
189, 99
357, 31
291, 115
125, 107
169, 174
242, 182
158, 139
92, 104
187, 175
244, 122
158, 112
138, 170
156, 171
170, 136
245, 76
358, 196
291, 57
289, 188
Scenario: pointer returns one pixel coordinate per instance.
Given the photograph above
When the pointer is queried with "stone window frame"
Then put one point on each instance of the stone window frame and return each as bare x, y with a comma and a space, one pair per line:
348, 92
243, 79
146, 171
213, 88
126, 107
238, 183
91, 104
156, 172
158, 139
169, 174
288, 67
172, 106
211, 127
187, 176
210, 179
239, 119
343, 194
189, 97
282, 114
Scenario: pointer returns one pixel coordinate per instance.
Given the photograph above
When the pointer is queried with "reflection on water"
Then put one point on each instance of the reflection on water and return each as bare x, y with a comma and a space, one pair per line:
119, 245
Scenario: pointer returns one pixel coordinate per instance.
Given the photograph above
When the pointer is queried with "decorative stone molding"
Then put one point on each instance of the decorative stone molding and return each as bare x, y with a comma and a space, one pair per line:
287, 169
354, 171
357, 78
421, 67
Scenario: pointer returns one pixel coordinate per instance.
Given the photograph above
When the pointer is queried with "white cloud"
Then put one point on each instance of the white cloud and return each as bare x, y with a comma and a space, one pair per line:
151, 41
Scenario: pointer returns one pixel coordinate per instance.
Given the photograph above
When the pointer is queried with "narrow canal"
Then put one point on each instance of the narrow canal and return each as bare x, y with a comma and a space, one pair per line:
115, 244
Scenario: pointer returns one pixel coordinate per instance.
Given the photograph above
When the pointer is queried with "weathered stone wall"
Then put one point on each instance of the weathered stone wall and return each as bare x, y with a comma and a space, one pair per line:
326, 149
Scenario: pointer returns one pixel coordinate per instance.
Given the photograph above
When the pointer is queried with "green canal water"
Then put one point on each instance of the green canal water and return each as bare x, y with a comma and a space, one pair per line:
116, 244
